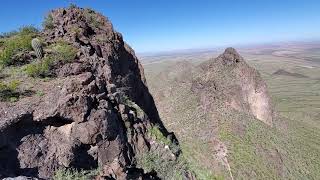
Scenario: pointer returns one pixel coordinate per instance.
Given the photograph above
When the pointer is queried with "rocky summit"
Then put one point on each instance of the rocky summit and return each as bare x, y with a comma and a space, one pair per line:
94, 112
230, 79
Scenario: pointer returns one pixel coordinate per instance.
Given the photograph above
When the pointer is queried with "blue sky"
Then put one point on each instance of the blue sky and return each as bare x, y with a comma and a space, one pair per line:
160, 25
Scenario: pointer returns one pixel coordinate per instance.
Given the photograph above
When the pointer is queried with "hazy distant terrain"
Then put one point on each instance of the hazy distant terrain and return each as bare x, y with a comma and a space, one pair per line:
163, 90
292, 73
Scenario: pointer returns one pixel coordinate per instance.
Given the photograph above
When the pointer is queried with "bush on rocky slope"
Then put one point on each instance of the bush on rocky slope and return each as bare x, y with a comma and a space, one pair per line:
73, 174
8, 91
16, 43
40, 68
48, 22
60, 53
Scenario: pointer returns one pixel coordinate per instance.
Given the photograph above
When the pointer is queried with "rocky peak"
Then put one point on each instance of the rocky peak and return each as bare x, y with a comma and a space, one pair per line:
101, 46
229, 78
78, 22
231, 50
96, 111
230, 56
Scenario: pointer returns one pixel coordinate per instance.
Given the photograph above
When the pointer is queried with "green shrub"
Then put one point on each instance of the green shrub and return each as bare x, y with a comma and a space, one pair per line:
91, 18
155, 133
40, 93
8, 91
166, 169
1, 43
48, 22
17, 43
72, 174
28, 30
127, 101
12, 46
76, 30
40, 69
63, 52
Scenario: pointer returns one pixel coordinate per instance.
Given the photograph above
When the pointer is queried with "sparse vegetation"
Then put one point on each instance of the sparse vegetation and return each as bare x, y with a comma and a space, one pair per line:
18, 42
91, 18
287, 151
126, 100
73, 174
40, 93
76, 30
48, 22
155, 133
247, 153
62, 52
201, 172
28, 31
173, 170
166, 169
9, 91
40, 68
101, 38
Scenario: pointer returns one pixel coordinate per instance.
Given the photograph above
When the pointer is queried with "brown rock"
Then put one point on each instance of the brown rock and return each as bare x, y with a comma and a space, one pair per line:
81, 122
241, 87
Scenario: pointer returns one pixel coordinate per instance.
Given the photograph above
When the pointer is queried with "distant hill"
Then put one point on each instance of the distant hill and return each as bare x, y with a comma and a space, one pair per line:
283, 72
213, 106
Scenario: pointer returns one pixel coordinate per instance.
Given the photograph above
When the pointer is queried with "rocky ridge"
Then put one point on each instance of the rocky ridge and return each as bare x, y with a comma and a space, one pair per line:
96, 112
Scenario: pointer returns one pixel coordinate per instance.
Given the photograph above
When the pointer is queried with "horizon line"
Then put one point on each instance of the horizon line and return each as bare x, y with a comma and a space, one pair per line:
216, 47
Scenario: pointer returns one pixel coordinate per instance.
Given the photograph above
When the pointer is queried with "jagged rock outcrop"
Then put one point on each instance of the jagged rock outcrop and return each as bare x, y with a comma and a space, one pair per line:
230, 79
95, 113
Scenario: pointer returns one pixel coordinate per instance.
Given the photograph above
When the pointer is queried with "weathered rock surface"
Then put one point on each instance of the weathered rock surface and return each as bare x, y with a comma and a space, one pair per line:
230, 78
85, 119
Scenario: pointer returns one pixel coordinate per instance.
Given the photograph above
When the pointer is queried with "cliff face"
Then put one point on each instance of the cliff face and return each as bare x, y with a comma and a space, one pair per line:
95, 112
